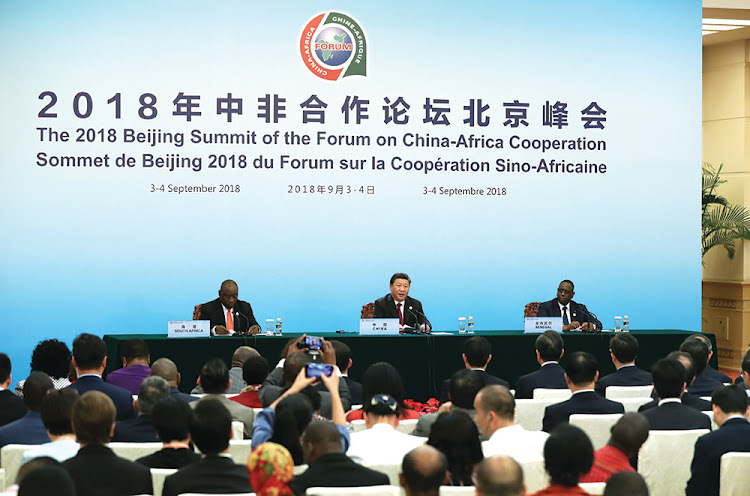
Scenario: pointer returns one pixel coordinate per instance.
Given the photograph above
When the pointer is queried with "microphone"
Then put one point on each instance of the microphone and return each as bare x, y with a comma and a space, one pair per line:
592, 320
427, 321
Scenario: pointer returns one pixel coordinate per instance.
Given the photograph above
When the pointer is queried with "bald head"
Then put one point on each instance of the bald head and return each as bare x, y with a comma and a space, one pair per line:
228, 293
496, 398
320, 438
241, 354
423, 471
499, 476
629, 433
167, 370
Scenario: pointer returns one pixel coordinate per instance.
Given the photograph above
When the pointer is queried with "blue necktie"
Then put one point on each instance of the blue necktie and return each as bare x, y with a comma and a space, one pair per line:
566, 321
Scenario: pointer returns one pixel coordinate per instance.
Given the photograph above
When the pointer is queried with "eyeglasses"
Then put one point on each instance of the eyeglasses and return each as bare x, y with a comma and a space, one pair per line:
564, 291
384, 399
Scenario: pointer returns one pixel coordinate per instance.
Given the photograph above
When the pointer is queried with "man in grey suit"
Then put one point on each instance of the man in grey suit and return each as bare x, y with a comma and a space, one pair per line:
464, 386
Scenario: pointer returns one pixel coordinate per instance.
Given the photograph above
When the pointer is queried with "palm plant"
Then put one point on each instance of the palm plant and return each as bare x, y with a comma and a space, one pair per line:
722, 223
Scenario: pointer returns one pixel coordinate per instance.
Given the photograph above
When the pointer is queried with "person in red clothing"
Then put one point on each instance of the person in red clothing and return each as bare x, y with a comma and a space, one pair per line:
254, 372
628, 435
568, 455
383, 378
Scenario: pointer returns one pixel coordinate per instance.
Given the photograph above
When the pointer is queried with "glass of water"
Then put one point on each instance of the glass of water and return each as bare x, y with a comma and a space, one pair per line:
462, 325
270, 324
618, 324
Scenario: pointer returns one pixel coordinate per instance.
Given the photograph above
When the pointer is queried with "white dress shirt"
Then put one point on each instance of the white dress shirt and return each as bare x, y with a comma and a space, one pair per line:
381, 444
516, 442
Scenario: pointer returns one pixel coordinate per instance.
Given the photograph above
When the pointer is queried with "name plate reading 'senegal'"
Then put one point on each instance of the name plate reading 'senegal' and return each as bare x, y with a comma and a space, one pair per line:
537, 325
378, 327
189, 329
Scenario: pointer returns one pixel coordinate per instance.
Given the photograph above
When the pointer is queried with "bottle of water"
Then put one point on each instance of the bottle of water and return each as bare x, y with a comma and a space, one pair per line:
278, 327
470, 325
625, 324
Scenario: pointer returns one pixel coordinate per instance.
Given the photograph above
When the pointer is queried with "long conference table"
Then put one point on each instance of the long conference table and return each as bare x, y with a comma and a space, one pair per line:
424, 361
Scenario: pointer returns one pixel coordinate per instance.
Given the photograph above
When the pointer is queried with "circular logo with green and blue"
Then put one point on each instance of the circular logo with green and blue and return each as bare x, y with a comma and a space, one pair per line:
333, 46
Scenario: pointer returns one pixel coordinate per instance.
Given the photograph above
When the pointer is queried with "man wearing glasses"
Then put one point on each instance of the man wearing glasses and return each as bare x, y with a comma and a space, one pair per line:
575, 315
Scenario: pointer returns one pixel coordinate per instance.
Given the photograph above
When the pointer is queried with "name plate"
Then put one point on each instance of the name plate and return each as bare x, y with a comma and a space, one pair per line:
537, 325
189, 329
378, 327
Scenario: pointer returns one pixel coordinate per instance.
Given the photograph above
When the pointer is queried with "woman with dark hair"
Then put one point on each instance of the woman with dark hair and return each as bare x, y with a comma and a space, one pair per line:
457, 436
568, 455
293, 415
383, 378
53, 358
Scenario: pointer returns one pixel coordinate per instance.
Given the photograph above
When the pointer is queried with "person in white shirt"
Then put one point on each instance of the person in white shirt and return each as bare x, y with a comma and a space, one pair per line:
381, 443
56, 411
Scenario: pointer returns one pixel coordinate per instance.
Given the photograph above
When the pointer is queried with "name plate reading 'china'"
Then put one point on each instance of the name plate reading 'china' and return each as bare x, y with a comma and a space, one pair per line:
378, 327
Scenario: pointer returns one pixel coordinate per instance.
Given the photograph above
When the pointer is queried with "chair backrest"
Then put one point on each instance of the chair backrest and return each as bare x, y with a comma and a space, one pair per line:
534, 475
2, 479
240, 450
664, 460
354, 491
593, 488
632, 404
558, 394
215, 494
530, 413
406, 426
531, 309
134, 451
197, 311
617, 392
355, 407
710, 414
390, 469
457, 490
157, 478
368, 310
10, 456
299, 469
238, 430
734, 478
596, 426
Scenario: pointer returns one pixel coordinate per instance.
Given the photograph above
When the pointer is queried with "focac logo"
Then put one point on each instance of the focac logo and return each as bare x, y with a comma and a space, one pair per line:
333, 46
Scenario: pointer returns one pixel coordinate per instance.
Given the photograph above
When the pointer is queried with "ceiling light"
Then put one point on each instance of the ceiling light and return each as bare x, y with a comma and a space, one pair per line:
731, 22
709, 32
719, 27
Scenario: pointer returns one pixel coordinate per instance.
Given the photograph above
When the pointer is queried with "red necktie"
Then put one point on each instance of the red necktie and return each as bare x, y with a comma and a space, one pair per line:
400, 315
230, 322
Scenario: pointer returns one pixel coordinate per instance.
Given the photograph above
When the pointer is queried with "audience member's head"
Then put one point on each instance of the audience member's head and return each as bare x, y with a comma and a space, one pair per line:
568, 454
456, 435
582, 370
380, 408
153, 390
343, 355
47, 480
171, 420
89, 353
270, 468
295, 361
51, 357
746, 368
626, 484
423, 471
32, 466
624, 347
669, 378
93, 418
383, 378
549, 346
705, 339
464, 386
698, 351
214, 378
5, 376
320, 438
57, 410
293, 415
167, 370
495, 408
728, 401
687, 361
314, 397
255, 370
211, 426
629, 433
499, 476
135, 352
241, 354
477, 352
34, 389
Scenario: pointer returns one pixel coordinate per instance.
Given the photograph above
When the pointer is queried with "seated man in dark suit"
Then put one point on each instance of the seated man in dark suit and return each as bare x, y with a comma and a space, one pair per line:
29, 429
623, 348
710, 372
141, 428
96, 470
730, 413
171, 419
581, 375
167, 370
344, 363
399, 305
671, 414
688, 400
423, 471
703, 384
476, 356
136, 361
228, 314
11, 406
216, 473
575, 315
549, 351
90, 360
328, 466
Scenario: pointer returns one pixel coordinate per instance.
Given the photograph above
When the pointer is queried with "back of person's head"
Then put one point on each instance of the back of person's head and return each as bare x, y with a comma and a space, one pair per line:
4, 367
497, 399
499, 476
464, 386
424, 470
687, 361
51, 357
381, 405
294, 362
456, 435
34, 389
47, 480
746, 362
171, 419
581, 368
568, 454
271, 468
477, 351
701, 337
33, 465
343, 354
153, 390
57, 410
93, 418
669, 377
732, 400
211, 426
293, 415
624, 347
629, 433
626, 484
698, 351
134, 348
313, 396
241, 354
215, 377
320, 437
166, 369
89, 351
383, 378
255, 370
549, 344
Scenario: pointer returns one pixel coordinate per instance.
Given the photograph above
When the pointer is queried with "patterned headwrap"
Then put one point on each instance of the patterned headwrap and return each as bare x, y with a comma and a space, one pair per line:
271, 468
